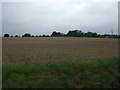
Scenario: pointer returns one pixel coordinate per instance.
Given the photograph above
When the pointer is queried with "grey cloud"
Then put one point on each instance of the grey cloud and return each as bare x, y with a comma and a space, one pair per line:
43, 18
0, 19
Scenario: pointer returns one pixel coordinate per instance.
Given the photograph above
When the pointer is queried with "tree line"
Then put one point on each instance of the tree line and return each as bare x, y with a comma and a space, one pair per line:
79, 33
71, 33
26, 35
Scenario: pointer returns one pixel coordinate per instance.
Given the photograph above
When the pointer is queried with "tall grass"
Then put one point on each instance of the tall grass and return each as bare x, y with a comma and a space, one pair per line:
102, 73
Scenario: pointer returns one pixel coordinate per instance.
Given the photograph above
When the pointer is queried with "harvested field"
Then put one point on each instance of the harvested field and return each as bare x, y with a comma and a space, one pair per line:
0, 50
37, 50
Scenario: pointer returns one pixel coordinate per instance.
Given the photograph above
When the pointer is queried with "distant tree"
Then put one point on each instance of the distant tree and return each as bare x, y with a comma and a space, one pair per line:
16, 36
47, 36
54, 34
90, 34
6, 35
32, 36
98, 35
43, 35
75, 33
11, 36
39, 35
36, 36
26, 35
118, 36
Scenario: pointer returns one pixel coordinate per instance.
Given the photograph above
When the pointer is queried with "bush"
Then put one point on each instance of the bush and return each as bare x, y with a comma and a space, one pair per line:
6, 35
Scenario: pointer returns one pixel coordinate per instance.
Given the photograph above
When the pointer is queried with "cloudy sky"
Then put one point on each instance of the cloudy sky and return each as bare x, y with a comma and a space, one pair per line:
46, 17
0, 19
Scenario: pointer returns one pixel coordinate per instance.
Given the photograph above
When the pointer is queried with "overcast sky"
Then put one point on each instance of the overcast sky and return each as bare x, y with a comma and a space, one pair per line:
0, 19
46, 17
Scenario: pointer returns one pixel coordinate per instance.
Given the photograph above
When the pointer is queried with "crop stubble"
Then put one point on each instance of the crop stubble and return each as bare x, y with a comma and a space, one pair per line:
39, 50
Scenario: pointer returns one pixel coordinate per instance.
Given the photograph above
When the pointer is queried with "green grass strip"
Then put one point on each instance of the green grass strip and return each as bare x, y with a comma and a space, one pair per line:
101, 73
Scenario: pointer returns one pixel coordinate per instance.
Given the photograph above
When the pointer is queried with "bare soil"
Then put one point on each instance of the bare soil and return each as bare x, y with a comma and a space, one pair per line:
37, 50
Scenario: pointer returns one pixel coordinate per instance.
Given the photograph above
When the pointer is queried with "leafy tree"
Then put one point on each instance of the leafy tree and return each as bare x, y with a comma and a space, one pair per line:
54, 34
47, 36
11, 36
43, 35
90, 34
16, 36
75, 33
39, 35
26, 35
36, 36
94, 34
6, 35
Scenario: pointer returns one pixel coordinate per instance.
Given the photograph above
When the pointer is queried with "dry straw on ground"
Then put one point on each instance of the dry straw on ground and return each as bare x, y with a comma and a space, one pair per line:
52, 49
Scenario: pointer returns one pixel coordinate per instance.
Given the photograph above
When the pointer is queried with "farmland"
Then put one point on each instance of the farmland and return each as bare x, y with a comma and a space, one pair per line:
0, 50
53, 49
60, 62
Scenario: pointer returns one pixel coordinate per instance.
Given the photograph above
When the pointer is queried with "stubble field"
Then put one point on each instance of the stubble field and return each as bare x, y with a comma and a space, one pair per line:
40, 50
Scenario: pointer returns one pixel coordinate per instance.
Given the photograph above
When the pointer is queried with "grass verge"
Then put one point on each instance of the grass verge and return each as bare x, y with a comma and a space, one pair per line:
102, 73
